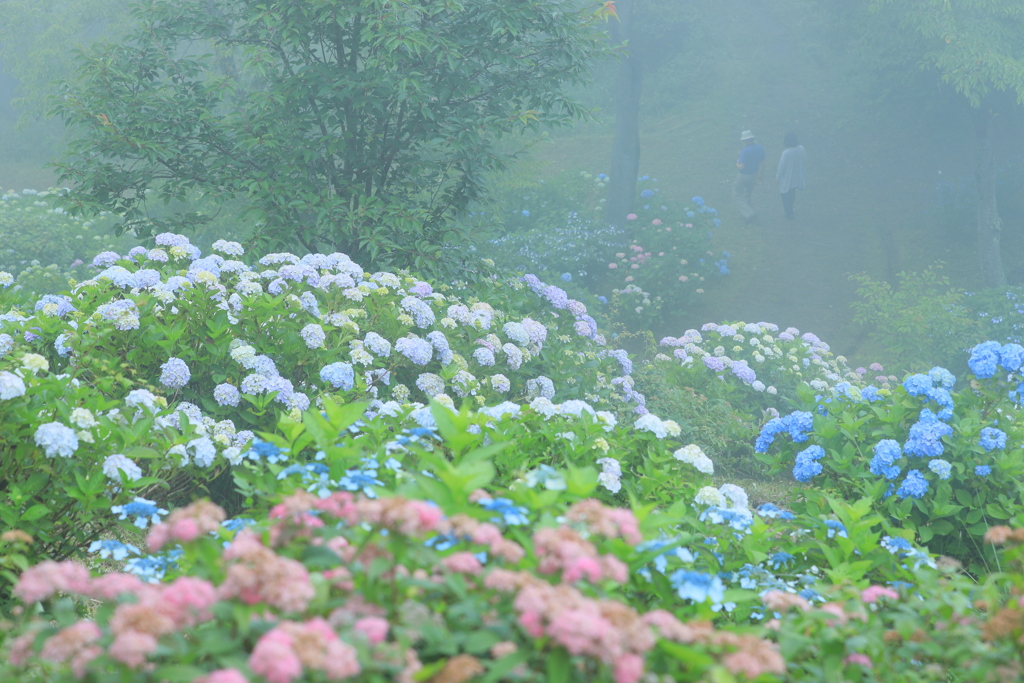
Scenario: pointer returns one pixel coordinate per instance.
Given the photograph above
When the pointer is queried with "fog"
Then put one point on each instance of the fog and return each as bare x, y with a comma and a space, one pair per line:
893, 143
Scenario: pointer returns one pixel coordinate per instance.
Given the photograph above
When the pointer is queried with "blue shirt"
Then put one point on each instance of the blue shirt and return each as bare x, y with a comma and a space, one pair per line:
751, 158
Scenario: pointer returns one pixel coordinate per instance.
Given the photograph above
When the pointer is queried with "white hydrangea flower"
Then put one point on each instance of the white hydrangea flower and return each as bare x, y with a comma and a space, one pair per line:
709, 495
693, 455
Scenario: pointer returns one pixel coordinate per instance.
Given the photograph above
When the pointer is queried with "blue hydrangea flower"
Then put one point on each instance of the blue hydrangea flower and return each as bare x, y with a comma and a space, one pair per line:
526, 213
914, 486
144, 511
916, 385
836, 528
941, 467
698, 586
647, 194
992, 438
780, 559
941, 377
110, 548
1011, 357
985, 359
870, 394
896, 544
983, 470
926, 436
740, 520
807, 466
265, 450
361, 480
773, 512
153, 568
507, 511
887, 452
699, 201
566, 277
546, 477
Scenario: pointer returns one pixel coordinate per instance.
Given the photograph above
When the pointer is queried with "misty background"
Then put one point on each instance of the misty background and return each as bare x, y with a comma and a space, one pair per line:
892, 151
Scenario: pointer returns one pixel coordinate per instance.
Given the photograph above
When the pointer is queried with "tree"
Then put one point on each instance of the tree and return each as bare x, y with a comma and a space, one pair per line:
647, 34
34, 40
977, 48
360, 125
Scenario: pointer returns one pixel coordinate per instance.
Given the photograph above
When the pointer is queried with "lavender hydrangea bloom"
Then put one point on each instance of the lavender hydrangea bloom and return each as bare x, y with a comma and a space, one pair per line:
714, 363
377, 344
624, 362
484, 356
174, 374
744, 372
419, 351
105, 259
226, 395
313, 335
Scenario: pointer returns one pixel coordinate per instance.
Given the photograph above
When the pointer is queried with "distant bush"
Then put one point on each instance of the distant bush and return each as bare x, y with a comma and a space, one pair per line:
34, 232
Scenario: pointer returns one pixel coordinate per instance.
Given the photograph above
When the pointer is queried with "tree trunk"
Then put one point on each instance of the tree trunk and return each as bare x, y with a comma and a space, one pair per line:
626, 148
989, 223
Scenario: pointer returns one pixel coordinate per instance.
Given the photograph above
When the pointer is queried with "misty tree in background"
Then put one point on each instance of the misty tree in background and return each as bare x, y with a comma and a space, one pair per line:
977, 48
35, 36
647, 34
359, 125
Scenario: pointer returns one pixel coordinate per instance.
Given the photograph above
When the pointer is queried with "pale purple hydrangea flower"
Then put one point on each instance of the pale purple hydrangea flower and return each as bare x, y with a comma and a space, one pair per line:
430, 384
420, 311
313, 335
174, 374
540, 386
513, 356
378, 344
229, 248
537, 331
105, 259
516, 332
419, 351
338, 375
714, 363
484, 356
226, 395
420, 288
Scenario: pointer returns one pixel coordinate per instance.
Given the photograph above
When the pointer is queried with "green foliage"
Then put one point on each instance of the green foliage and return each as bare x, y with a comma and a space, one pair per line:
723, 432
35, 232
356, 126
920, 321
953, 512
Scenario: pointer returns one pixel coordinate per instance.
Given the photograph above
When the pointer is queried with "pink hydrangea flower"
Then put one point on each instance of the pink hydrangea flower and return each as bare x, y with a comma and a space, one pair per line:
49, 577
463, 563
631, 217
223, 676
874, 593
613, 266
274, 658
858, 658
131, 648
374, 628
656, 221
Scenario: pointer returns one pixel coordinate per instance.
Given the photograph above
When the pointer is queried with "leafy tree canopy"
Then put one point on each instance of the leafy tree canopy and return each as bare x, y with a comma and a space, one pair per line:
363, 125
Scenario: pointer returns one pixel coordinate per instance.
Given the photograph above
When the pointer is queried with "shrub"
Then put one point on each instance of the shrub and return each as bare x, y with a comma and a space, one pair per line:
945, 464
34, 232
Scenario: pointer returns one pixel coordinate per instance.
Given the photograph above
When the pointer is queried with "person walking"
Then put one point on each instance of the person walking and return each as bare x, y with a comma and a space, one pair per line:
792, 172
749, 166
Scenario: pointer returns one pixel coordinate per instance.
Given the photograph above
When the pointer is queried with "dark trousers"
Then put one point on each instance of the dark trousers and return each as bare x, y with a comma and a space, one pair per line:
787, 202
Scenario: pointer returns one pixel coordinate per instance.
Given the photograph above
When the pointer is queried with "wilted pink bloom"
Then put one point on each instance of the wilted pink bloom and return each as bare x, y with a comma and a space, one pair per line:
613, 266
21, 649
629, 278
874, 593
635, 266
74, 644
503, 649
109, 586
683, 278
656, 221
620, 255
374, 628
631, 217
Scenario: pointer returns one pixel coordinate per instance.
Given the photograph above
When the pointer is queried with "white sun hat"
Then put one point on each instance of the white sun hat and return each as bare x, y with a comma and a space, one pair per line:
747, 135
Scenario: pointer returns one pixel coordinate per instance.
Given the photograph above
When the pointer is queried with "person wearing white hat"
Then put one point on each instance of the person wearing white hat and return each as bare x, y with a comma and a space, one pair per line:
749, 165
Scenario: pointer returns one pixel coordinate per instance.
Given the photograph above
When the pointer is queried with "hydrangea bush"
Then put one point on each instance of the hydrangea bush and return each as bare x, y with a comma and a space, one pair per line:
430, 575
944, 463
34, 232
